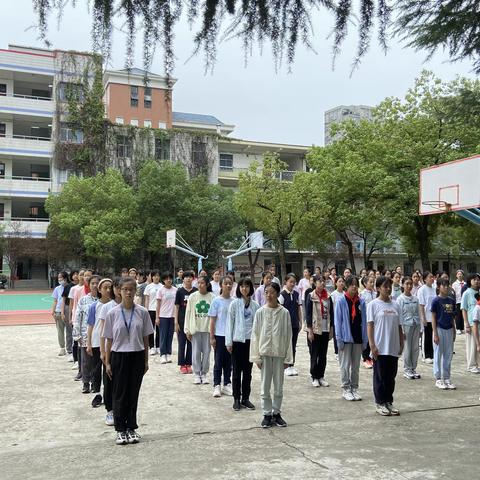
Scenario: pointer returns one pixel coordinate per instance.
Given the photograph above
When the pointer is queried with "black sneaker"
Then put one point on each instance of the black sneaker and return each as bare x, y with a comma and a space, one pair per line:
267, 421
236, 405
97, 401
86, 388
78, 377
279, 421
247, 404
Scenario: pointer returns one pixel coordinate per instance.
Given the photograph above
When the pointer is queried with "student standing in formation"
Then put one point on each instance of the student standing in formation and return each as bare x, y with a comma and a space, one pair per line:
237, 340
127, 330
304, 284
385, 336
290, 299
271, 350
141, 286
457, 286
273, 273
107, 382
260, 292
76, 352
351, 333
467, 305
218, 314
368, 295
181, 300
215, 283
425, 295
443, 325
416, 283
319, 319
57, 306
396, 288
197, 329
71, 280
231, 274
409, 311
80, 329
476, 322
165, 313
150, 303
94, 331
336, 295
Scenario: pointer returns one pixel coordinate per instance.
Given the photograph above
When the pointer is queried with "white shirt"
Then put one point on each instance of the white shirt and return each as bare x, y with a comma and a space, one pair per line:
386, 321
215, 288
425, 297
151, 290
336, 295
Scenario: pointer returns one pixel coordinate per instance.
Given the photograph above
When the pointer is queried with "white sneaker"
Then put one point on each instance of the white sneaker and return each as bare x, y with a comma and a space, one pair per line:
62, 352
393, 410
474, 370
323, 383
383, 410
449, 385
416, 375
409, 375
197, 380
121, 438
315, 383
356, 395
163, 359
429, 361
288, 371
158, 351
109, 419
153, 351
347, 395
217, 391
294, 371
169, 358
74, 366
204, 379
459, 332
227, 390
439, 384
70, 358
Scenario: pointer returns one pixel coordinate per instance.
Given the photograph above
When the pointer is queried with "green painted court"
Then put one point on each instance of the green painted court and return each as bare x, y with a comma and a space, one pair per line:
25, 302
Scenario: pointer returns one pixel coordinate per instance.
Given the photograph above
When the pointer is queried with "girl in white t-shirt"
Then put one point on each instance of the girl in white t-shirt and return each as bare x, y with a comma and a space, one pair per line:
165, 316
385, 336
425, 296
150, 303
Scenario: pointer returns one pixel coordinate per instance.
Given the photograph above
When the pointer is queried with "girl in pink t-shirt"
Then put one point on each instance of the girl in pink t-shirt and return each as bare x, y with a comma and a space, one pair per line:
165, 316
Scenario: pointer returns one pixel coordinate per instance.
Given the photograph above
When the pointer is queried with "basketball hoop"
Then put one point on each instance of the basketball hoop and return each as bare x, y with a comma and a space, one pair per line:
440, 205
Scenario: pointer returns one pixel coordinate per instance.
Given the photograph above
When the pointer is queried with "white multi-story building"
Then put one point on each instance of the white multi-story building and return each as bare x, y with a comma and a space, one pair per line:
340, 114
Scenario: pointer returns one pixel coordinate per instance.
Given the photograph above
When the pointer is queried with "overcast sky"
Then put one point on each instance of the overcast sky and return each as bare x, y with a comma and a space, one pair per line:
263, 104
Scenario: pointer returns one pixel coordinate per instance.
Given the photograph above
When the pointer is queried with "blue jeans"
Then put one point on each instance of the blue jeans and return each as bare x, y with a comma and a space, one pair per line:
442, 354
166, 335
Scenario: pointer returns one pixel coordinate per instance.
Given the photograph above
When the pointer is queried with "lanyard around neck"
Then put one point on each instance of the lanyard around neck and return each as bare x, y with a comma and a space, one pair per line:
129, 324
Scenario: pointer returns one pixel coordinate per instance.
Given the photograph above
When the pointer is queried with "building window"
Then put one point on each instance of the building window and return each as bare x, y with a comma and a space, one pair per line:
2, 211
69, 134
162, 149
3, 89
68, 90
226, 161
199, 153
147, 123
162, 125
134, 122
119, 120
124, 146
147, 100
2, 170
37, 210
3, 129
471, 267
134, 96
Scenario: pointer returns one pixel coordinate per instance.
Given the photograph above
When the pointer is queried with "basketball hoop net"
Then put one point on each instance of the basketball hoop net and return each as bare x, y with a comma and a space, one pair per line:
440, 205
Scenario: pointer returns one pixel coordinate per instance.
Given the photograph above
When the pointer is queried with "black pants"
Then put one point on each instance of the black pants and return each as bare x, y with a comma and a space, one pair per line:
335, 346
127, 369
154, 339
295, 332
86, 361
384, 372
242, 370
459, 319
428, 341
318, 355
223, 362
75, 351
366, 353
96, 369
107, 391
167, 327
184, 348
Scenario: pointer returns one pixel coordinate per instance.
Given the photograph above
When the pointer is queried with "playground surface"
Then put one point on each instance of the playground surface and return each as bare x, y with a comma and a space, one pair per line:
51, 431
19, 307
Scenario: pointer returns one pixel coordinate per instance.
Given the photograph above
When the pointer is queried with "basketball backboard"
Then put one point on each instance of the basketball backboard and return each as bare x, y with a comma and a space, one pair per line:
171, 238
451, 186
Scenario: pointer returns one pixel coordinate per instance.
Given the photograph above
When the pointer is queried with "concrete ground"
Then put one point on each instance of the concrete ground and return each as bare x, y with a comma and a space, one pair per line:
49, 429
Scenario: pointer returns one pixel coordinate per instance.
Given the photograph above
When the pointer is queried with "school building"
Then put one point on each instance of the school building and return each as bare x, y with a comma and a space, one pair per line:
36, 86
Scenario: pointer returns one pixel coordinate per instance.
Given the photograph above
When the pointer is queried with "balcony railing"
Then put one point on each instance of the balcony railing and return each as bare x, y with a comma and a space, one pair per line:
30, 219
234, 173
19, 104
30, 137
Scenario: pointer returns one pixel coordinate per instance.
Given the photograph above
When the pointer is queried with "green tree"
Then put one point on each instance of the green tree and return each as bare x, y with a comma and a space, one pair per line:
269, 203
99, 215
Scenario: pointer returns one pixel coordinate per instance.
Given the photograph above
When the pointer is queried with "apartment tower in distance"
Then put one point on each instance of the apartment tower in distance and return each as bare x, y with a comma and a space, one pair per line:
342, 113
